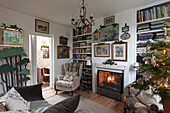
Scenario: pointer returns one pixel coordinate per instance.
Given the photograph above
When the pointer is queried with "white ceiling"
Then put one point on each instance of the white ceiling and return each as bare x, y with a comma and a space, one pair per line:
61, 11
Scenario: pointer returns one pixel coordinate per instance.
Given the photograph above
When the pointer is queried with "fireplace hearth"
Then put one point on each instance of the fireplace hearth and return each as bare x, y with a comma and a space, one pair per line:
110, 84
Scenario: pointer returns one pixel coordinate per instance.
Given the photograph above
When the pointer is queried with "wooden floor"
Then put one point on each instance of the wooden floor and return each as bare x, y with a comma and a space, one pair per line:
108, 102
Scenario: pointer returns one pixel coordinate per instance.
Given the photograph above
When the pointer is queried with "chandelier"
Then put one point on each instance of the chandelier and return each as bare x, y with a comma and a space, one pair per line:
83, 21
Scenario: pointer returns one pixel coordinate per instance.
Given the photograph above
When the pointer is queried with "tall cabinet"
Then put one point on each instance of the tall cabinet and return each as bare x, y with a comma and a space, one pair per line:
82, 51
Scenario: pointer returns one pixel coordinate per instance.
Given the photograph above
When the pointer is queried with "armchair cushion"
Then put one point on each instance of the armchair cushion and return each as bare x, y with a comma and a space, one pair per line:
60, 77
67, 84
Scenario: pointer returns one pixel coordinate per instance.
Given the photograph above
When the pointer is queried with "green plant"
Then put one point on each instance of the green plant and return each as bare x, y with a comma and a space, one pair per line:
157, 70
13, 64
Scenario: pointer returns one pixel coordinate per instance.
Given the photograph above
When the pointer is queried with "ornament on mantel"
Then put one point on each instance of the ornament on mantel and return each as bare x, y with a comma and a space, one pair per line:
125, 35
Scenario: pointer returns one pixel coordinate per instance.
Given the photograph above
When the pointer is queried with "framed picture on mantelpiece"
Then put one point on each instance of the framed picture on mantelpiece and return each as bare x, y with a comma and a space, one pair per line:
119, 51
102, 50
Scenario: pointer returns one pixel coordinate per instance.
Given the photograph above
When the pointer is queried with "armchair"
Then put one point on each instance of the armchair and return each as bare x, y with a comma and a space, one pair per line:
70, 80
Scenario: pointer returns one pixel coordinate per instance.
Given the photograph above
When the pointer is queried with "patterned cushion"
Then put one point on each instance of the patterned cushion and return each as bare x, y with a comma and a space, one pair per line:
67, 84
14, 95
2, 108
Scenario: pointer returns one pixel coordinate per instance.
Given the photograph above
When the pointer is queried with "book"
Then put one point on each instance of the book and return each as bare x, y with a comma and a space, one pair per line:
168, 10
139, 16
163, 11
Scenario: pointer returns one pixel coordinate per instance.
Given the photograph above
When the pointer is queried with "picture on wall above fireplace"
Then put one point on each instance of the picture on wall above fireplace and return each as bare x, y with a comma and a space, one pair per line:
102, 50
119, 51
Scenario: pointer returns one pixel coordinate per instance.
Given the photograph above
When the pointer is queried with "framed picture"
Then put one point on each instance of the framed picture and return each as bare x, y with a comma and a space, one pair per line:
11, 37
41, 26
125, 36
109, 33
119, 51
102, 50
96, 37
125, 29
63, 40
109, 20
63, 52
45, 50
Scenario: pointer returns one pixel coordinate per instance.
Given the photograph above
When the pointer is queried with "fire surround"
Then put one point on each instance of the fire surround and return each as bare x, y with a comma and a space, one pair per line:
112, 68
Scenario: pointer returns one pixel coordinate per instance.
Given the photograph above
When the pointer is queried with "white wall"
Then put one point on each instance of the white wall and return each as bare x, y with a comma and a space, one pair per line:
128, 17
27, 23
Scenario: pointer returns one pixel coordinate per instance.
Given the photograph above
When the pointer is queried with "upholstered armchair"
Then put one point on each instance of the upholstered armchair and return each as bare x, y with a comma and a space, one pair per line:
70, 80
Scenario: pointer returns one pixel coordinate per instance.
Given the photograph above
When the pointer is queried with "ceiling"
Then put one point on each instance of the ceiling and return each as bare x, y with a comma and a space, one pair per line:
61, 11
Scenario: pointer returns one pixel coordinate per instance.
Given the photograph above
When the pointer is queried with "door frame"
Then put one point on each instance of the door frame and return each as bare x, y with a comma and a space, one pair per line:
33, 56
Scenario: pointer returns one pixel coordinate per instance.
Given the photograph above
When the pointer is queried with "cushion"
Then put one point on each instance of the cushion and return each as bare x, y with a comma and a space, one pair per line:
14, 95
13, 105
31, 93
66, 106
68, 84
2, 108
147, 98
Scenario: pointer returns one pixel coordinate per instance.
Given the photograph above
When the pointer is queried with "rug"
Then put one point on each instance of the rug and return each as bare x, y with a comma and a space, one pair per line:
84, 104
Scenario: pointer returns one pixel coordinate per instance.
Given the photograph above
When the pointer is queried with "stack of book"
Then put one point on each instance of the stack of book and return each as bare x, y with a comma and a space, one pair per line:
152, 13
88, 50
82, 44
88, 43
160, 35
158, 25
145, 37
143, 27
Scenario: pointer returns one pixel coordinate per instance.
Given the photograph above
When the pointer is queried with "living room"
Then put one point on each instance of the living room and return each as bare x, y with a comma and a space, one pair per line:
59, 18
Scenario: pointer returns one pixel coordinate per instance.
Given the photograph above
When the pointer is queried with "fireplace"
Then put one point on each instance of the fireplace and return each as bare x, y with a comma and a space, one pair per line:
110, 84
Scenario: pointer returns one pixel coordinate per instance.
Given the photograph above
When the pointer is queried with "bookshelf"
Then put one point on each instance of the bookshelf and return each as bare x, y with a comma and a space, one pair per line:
153, 23
82, 51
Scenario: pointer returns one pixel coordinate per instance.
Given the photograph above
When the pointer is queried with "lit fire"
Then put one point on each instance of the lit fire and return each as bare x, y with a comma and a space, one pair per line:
110, 79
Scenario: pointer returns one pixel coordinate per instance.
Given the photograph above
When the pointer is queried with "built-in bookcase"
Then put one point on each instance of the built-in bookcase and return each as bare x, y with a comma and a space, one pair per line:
153, 23
82, 51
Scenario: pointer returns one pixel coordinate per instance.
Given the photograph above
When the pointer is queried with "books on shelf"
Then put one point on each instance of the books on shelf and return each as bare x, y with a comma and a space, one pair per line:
159, 11
81, 30
144, 37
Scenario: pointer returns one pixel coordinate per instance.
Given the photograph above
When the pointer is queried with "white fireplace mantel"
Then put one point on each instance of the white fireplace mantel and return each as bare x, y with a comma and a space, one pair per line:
115, 68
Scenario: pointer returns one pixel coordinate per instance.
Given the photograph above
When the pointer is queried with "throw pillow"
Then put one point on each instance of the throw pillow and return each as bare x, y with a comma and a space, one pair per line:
66, 77
2, 108
147, 98
66, 106
14, 95
13, 105
31, 93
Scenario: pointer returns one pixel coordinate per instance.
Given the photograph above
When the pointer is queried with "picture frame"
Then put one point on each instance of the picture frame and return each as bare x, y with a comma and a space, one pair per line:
11, 37
102, 50
63, 40
41, 26
63, 52
109, 20
96, 37
119, 51
109, 33
125, 36
45, 50
125, 29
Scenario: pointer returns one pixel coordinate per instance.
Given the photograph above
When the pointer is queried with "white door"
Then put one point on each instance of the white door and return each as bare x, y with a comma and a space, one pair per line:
33, 57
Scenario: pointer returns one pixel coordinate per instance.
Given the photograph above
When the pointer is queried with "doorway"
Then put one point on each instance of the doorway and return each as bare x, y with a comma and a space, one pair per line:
41, 54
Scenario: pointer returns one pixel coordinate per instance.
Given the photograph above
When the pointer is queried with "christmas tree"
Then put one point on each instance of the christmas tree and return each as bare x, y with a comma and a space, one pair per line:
156, 70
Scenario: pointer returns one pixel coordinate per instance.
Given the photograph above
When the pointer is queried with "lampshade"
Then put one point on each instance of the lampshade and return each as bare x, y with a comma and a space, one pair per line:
88, 63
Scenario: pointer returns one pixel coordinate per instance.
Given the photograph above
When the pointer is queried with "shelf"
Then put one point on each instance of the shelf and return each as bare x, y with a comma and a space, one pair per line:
81, 41
82, 53
83, 47
151, 31
153, 20
87, 34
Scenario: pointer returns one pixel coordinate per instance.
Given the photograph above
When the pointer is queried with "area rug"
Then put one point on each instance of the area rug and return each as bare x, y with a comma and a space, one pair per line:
84, 104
